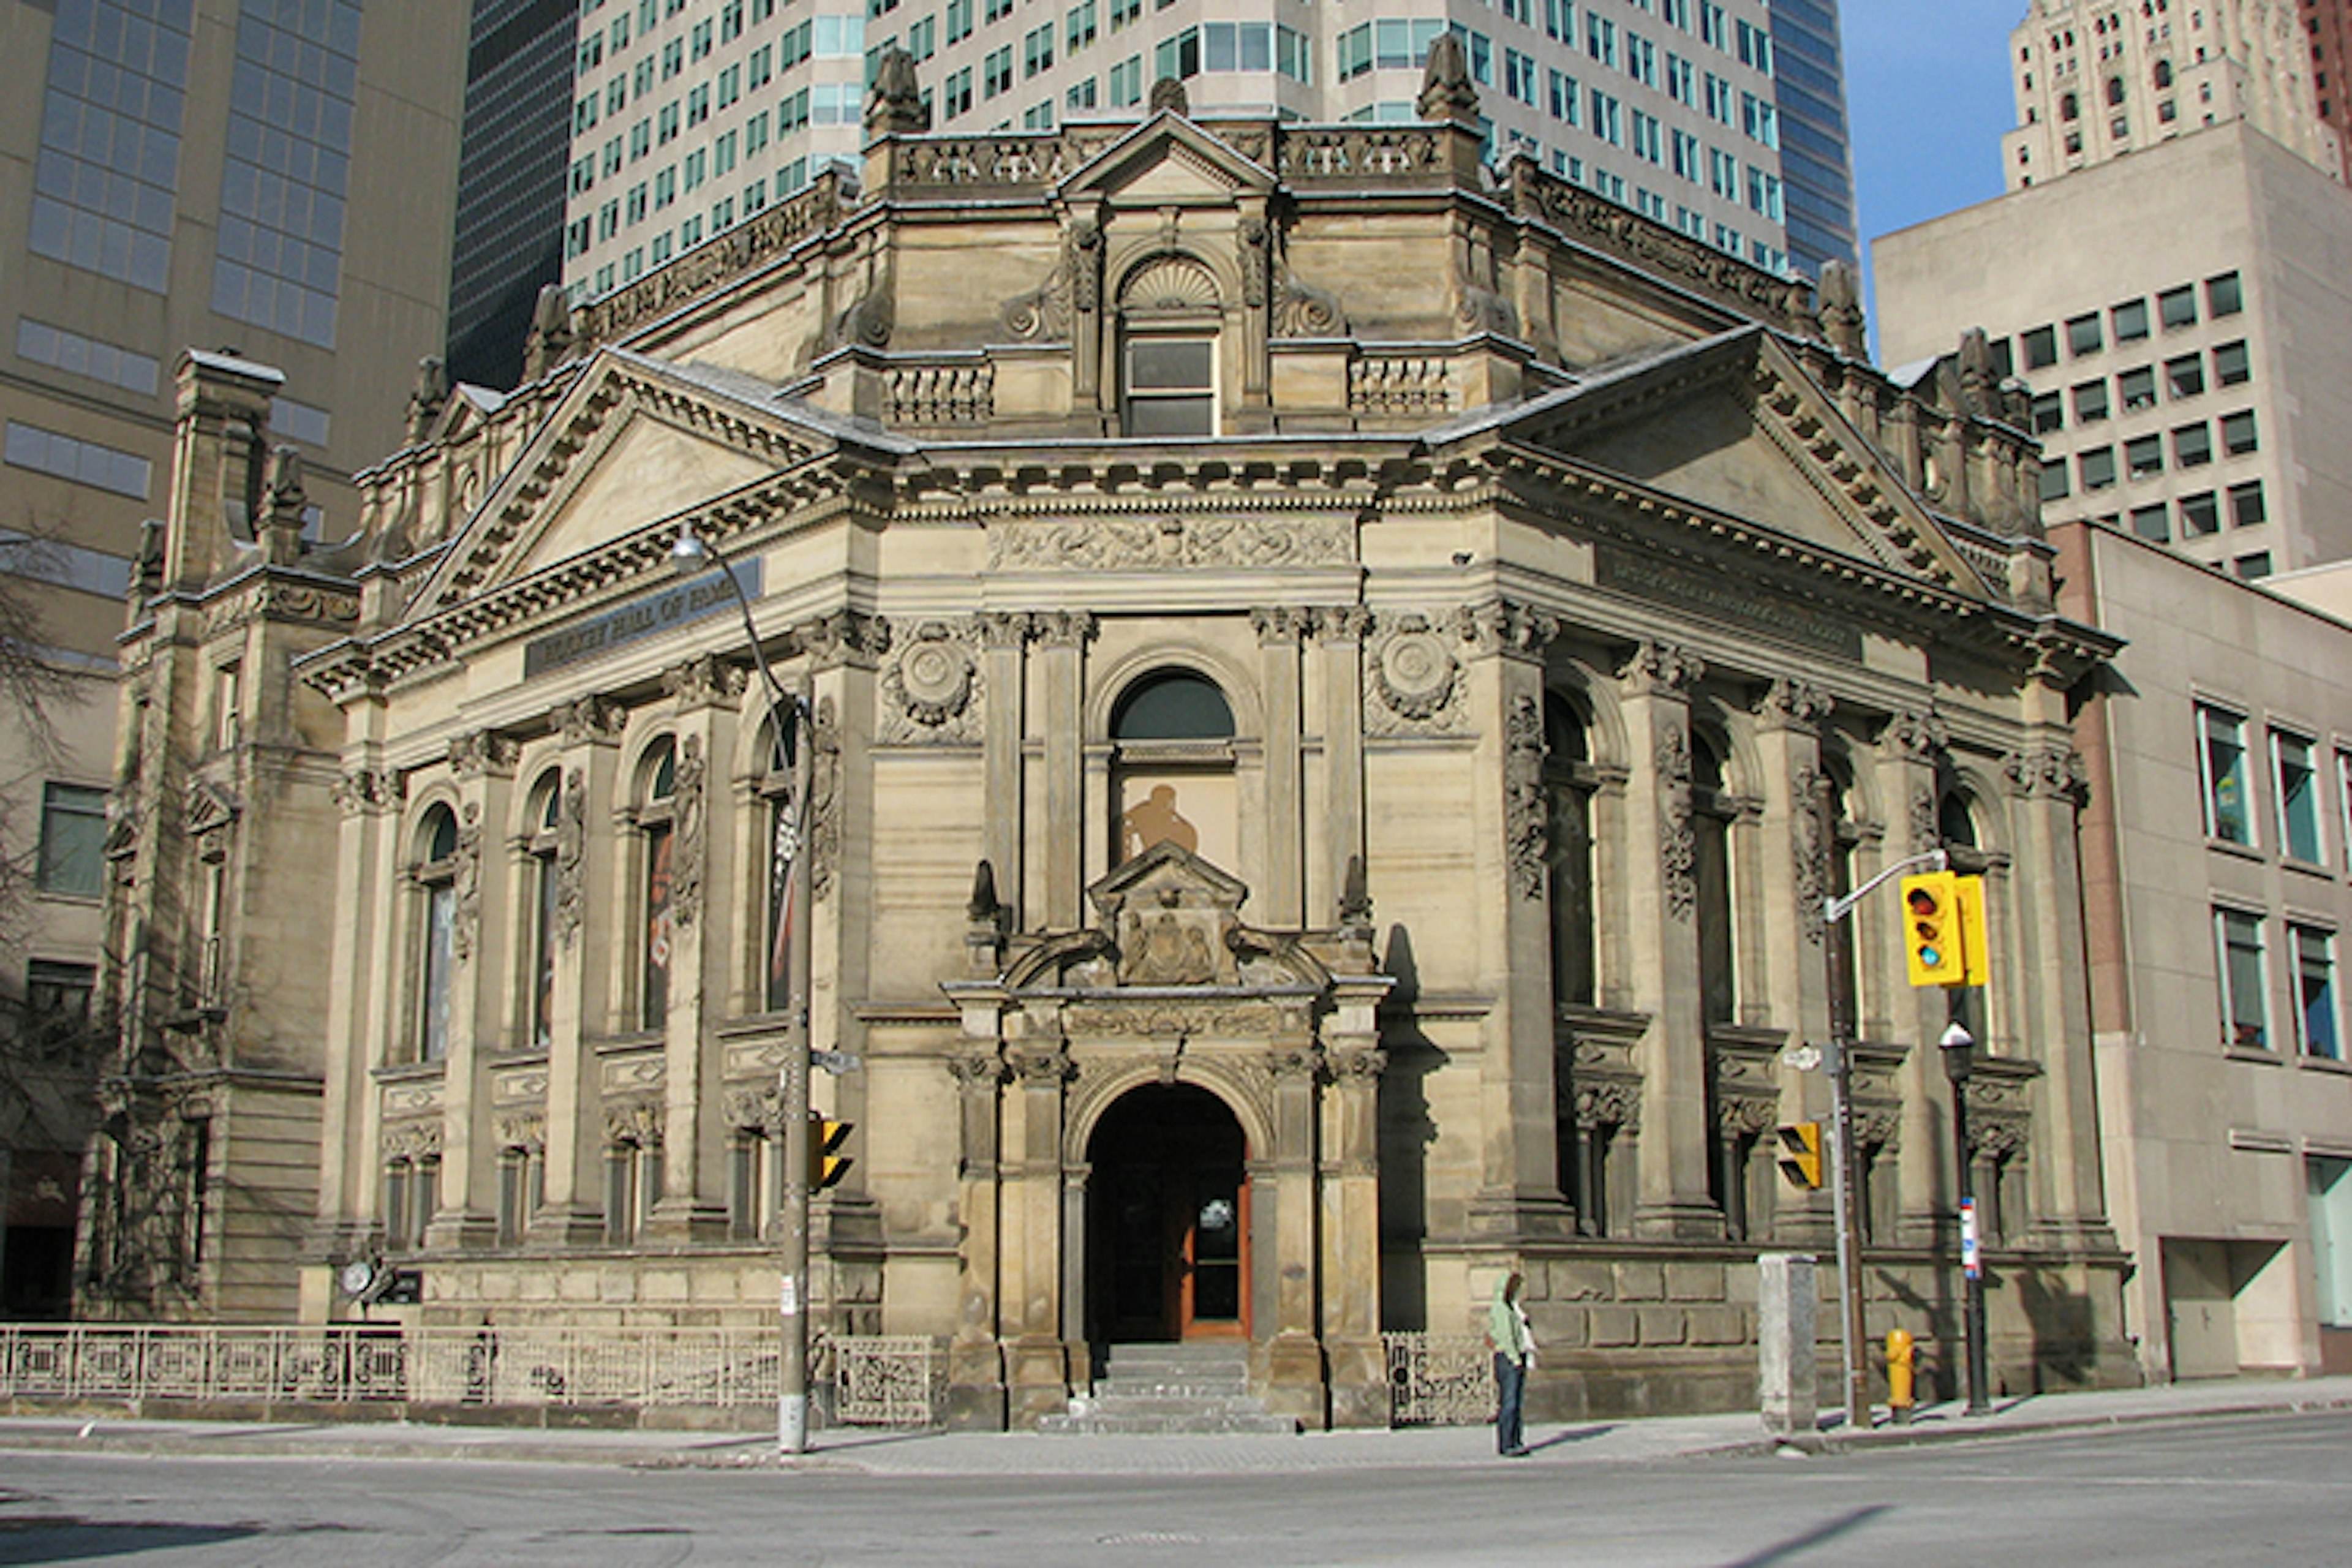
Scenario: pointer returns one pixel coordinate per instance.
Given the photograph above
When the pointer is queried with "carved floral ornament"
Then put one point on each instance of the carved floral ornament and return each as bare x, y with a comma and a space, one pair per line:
2050, 772
1609, 1103
1526, 823
634, 1123
1414, 670
571, 855
689, 818
467, 883
932, 682
366, 790
417, 1140
1677, 840
1172, 542
525, 1132
1811, 850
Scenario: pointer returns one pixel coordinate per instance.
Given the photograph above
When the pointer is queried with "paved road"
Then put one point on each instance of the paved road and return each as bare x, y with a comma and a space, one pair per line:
2262, 1492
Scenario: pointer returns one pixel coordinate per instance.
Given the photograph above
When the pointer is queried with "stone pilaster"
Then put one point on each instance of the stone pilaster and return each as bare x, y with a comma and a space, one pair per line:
1293, 1361
1062, 636
1340, 639
1004, 640
367, 797
1794, 984
483, 765
1038, 1370
572, 1210
1357, 1370
1279, 634
975, 1361
1518, 1198
1674, 1199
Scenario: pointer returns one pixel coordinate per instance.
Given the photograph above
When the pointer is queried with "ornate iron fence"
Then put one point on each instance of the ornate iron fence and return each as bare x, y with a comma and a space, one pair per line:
878, 1380
1439, 1380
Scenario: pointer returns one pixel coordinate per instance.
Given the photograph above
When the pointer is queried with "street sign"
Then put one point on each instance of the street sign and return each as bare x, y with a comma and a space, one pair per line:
835, 1062
1804, 1058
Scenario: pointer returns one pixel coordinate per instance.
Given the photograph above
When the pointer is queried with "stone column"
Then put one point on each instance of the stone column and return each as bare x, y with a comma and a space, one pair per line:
1062, 636
1351, 1205
975, 1362
1038, 1362
483, 764
368, 798
1661, 918
1520, 1197
2047, 778
1339, 635
1907, 749
1794, 984
1294, 1359
572, 1211
1279, 632
1004, 639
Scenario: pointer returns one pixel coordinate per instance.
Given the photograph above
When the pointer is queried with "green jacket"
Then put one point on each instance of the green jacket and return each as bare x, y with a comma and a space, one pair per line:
1506, 1329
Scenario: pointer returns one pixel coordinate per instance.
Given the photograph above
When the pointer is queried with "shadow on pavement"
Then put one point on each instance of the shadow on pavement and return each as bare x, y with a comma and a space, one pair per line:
1796, 1545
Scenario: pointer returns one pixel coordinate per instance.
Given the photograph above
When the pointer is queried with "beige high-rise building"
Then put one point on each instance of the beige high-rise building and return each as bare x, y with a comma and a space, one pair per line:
692, 115
2175, 316
2097, 81
258, 177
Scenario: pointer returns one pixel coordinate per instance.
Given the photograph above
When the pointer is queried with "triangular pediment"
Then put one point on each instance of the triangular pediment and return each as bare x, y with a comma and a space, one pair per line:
1167, 159
634, 442
1734, 426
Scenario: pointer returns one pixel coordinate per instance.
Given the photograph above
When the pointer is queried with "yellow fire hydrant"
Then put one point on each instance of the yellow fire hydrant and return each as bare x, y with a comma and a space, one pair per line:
1899, 1376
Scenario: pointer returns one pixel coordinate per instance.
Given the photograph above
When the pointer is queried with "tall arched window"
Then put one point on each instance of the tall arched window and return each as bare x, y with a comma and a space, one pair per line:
1711, 814
2163, 73
436, 876
1169, 318
2069, 110
545, 813
1568, 800
657, 794
1173, 772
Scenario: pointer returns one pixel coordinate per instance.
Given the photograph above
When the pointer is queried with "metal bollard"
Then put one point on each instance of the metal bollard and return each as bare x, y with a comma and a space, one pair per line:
1899, 1376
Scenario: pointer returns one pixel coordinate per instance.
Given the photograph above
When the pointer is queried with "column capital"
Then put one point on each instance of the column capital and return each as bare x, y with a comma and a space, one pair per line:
1659, 669
704, 681
590, 721
1914, 734
1793, 702
366, 791
2047, 770
840, 637
484, 753
1507, 628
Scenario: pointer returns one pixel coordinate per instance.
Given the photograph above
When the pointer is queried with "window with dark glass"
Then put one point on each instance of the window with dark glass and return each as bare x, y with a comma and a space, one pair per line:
2144, 456
2185, 376
2294, 779
437, 884
1172, 772
2130, 319
2200, 514
2049, 414
2084, 336
2152, 521
2193, 445
2222, 758
2177, 307
1568, 784
2245, 1017
2238, 435
2223, 297
2246, 506
2040, 347
2230, 365
1170, 387
546, 814
657, 930
2316, 1027
2090, 402
2098, 466
2137, 388
73, 840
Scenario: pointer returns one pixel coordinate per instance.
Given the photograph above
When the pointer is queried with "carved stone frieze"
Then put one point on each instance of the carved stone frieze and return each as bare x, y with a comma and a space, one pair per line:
1082, 261
1342, 623
978, 1072
1927, 821
1290, 1063
703, 680
1416, 682
1504, 627
689, 831
1744, 1116
757, 1107
1527, 836
571, 855
824, 823
1302, 310
485, 753
1063, 628
1046, 1068
1169, 543
636, 1122
2048, 771
1661, 669
525, 1132
1915, 735
1608, 1102
1792, 703
1006, 629
1041, 314
413, 1139
364, 790
1254, 245
1810, 851
844, 638
1677, 839
1161, 1018
933, 690
465, 879
519, 1085
1283, 624
590, 720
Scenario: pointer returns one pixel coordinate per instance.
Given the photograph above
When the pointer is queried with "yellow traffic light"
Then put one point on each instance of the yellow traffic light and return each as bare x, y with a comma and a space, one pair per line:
827, 1165
1975, 950
1800, 1153
1932, 935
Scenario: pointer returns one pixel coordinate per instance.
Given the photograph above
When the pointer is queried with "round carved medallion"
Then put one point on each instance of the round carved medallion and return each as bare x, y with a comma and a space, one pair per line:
935, 675
1416, 673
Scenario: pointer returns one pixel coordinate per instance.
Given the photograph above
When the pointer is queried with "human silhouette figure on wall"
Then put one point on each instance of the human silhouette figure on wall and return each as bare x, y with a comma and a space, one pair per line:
1156, 820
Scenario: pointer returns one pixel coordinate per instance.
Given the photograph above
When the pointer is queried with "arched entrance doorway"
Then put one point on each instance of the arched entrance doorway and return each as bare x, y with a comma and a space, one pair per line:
1168, 1219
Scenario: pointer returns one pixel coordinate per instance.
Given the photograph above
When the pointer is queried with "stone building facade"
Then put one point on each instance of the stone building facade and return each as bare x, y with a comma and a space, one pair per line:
1323, 668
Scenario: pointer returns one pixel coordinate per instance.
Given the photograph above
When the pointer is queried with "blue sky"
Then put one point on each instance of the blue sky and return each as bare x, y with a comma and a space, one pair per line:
1929, 94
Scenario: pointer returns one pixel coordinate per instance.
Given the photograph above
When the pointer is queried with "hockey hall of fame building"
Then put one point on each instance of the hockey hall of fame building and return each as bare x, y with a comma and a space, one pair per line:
1337, 683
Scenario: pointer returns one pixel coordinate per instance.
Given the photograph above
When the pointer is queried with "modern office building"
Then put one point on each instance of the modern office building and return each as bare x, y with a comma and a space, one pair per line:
510, 179
263, 177
2176, 315
2217, 853
691, 115
2097, 81
1816, 151
2327, 30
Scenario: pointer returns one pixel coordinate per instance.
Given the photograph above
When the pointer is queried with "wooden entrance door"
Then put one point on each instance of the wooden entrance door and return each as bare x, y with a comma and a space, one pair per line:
1168, 1220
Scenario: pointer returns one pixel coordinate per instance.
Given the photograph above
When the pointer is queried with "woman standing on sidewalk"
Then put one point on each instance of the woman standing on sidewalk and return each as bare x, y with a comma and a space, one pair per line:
1515, 1353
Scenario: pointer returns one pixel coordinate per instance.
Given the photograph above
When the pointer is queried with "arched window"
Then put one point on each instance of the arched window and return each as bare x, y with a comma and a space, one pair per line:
1711, 815
2163, 73
633, 1183
435, 876
1173, 770
544, 815
2114, 91
1568, 798
2068, 108
1169, 318
657, 794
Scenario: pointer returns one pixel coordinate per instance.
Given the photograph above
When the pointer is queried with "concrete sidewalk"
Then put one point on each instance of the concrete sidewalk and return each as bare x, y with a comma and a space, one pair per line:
936, 1454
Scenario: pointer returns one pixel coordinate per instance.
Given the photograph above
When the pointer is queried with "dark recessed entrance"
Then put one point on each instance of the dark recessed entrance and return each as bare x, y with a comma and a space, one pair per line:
1168, 1220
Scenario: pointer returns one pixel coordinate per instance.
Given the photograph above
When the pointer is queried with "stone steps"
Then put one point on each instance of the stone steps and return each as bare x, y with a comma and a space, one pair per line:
1167, 1389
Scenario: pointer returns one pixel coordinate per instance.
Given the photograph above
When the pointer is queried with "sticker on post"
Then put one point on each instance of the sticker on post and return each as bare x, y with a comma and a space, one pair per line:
788, 1297
1971, 1258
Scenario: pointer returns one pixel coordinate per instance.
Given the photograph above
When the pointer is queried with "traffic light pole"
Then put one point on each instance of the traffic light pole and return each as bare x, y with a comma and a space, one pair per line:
1846, 1186
692, 553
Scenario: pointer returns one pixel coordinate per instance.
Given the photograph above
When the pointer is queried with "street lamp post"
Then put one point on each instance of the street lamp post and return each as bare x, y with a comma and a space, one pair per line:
690, 554
1960, 1062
